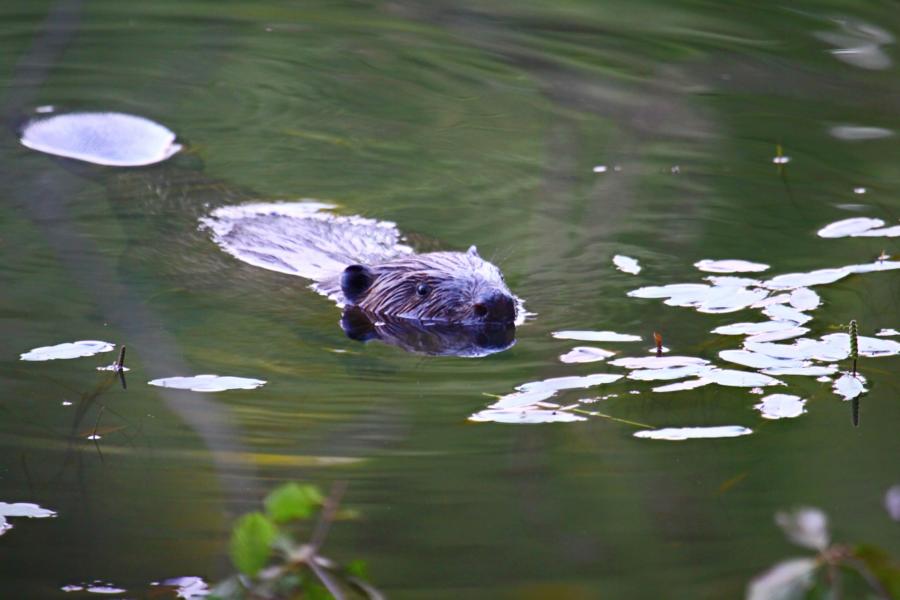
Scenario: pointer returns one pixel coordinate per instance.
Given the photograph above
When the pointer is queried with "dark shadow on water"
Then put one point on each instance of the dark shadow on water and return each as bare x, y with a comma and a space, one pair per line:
433, 339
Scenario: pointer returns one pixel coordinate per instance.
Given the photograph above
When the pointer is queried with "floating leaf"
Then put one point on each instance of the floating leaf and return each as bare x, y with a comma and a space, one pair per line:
657, 362
251, 542
67, 350
669, 373
781, 406
692, 433
110, 139
754, 328
596, 336
850, 386
208, 383
585, 354
626, 264
788, 580
849, 227
733, 378
805, 299
689, 384
292, 501
730, 266
529, 416
24, 509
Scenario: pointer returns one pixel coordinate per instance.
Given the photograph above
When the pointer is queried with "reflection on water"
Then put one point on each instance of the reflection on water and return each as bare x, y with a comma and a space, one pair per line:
467, 123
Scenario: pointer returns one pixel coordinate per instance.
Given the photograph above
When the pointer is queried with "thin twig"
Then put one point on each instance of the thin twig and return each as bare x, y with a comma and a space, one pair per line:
97, 422
120, 362
326, 580
861, 568
327, 515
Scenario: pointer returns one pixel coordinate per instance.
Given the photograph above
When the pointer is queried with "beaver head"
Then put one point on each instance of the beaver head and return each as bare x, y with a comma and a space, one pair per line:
453, 287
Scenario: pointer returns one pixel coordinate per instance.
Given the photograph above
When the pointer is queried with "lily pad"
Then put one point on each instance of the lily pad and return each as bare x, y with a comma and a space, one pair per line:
596, 336
849, 227
730, 266
850, 386
693, 433
102, 138
781, 406
586, 354
208, 383
67, 350
626, 264
531, 416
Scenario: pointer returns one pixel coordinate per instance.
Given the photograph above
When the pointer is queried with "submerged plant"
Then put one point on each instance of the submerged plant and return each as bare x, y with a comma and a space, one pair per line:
821, 575
273, 561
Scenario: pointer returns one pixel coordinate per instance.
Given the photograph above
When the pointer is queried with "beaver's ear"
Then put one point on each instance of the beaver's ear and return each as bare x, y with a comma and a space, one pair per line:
473, 251
355, 280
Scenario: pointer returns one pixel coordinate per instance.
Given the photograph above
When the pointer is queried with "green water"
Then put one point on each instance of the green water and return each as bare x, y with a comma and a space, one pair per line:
465, 123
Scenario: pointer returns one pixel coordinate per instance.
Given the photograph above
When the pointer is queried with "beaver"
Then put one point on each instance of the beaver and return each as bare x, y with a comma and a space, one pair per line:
363, 263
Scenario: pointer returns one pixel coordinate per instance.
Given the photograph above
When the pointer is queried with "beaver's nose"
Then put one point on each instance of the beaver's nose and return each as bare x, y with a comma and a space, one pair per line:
495, 307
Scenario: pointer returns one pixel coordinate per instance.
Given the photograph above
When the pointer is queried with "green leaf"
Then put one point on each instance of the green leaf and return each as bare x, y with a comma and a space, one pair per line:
251, 542
885, 568
293, 501
358, 568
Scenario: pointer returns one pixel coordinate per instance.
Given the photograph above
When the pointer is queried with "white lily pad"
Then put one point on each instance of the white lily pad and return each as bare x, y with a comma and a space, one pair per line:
688, 384
805, 299
105, 138
730, 266
792, 281
807, 371
693, 433
757, 360
888, 333
626, 264
781, 312
596, 336
67, 350
657, 362
753, 328
731, 378
776, 336
874, 267
849, 386
585, 354
868, 346
208, 383
529, 417
668, 373
556, 384
849, 227
781, 406
24, 509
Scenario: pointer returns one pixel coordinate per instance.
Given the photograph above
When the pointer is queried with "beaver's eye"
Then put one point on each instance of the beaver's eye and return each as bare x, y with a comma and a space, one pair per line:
422, 289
